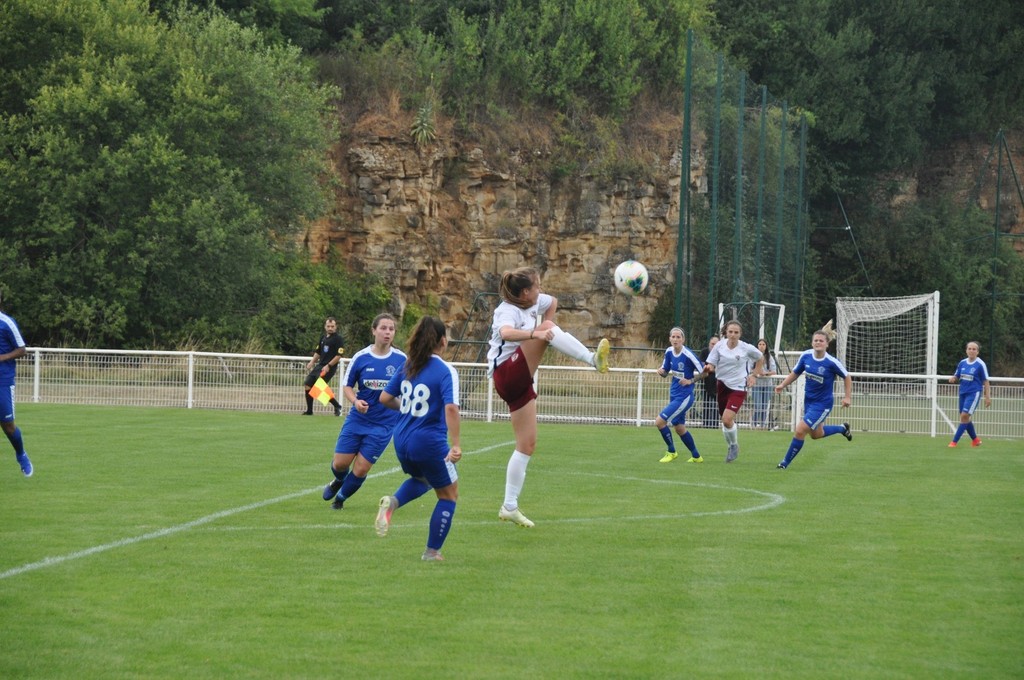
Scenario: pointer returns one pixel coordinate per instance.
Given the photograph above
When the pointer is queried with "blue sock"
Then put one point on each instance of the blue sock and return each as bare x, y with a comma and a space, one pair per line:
666, 434
970, 431
959, 432
832, 429
340, 476
440, 523
350, 486
794, 448
690, 444
17, 442
410, 490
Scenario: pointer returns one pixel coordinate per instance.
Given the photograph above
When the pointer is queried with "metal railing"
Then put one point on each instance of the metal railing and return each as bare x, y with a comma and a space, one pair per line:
572, 394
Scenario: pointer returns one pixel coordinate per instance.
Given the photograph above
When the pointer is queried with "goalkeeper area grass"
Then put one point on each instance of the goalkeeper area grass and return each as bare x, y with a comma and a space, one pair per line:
166, 543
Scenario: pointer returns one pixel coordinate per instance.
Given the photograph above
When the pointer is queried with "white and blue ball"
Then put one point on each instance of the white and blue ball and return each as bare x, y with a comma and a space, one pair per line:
631, 277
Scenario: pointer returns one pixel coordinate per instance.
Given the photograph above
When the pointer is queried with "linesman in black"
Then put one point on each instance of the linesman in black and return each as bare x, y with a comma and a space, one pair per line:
324, 363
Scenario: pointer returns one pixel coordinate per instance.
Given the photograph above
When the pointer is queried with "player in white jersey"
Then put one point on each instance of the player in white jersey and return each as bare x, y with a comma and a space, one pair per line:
729, 360
368, 426
972, 374
522, 328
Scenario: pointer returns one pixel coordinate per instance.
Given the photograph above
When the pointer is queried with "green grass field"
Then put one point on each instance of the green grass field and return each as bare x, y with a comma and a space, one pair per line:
163, 543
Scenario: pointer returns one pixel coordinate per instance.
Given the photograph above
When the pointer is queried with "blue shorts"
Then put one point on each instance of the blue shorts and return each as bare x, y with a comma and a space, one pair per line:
370, 445
969, 402
7, 404
675, 412
437, 472
815, 414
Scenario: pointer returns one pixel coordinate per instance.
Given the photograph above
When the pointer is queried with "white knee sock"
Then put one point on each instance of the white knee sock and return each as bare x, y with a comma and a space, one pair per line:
568, 344
515, 476
731, 434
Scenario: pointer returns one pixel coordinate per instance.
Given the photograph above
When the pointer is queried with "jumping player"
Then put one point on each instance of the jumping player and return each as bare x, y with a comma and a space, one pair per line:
522, 328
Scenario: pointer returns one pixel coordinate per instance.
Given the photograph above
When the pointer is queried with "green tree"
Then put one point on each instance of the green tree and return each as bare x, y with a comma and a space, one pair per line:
884, 81
299, 22
150, 172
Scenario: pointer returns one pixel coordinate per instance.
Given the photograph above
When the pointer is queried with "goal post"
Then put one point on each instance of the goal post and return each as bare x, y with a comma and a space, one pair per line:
759, 320
892, 338
897, 335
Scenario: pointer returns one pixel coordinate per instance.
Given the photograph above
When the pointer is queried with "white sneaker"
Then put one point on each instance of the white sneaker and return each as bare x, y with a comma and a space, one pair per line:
431, 555
383, 521
506, 515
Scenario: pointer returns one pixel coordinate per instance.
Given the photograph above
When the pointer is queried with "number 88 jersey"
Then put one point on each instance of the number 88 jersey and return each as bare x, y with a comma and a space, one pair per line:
421, 424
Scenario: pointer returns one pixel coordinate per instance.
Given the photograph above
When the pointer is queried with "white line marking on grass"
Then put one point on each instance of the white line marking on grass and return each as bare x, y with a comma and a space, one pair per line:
773, 500
60, 559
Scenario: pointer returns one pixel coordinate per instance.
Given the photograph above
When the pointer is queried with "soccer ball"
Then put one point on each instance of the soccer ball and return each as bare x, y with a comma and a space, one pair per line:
631, 277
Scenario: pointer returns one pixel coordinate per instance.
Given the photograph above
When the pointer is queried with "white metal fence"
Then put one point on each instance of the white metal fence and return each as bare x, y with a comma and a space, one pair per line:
627, 396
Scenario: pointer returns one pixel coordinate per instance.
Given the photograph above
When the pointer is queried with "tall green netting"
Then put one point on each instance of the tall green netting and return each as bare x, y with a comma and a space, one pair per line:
743, 224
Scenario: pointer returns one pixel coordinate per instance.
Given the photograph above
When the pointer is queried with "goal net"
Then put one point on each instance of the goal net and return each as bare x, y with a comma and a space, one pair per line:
894, 335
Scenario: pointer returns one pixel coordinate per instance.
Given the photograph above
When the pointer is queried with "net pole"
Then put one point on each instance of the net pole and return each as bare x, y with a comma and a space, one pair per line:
683, 237
762, 142
780, 203
933, 352
737, 250
716, 173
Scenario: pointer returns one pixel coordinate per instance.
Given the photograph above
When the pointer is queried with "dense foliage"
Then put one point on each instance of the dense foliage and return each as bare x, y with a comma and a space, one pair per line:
153, 176
157, 158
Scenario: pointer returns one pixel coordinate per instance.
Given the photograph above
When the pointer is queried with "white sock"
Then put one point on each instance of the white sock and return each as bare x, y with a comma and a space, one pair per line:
568, 344
515, 476
731, 434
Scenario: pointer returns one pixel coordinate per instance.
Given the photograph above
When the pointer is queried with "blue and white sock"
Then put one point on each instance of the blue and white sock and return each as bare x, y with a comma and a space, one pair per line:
440, 523
666, 434
794, 448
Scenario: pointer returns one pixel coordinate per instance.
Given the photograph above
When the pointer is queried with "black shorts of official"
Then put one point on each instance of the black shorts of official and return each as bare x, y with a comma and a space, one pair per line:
315, 373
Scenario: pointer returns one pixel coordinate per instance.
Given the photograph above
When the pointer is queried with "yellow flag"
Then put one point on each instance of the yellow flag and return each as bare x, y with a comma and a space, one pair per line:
321, 391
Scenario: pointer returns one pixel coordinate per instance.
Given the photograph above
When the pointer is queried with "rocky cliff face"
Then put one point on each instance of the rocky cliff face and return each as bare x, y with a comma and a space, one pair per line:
440, 222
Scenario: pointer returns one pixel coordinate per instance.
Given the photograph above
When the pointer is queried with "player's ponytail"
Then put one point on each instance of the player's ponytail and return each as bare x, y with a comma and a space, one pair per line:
426, 338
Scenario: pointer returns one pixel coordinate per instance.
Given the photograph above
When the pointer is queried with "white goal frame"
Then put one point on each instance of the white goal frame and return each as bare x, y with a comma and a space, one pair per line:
762, 308
854, 310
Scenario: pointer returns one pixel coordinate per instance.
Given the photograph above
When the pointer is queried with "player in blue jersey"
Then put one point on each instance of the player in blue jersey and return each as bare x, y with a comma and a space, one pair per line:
972, 374
368, 426
12, 346
425, 392
685, 369
820, 370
